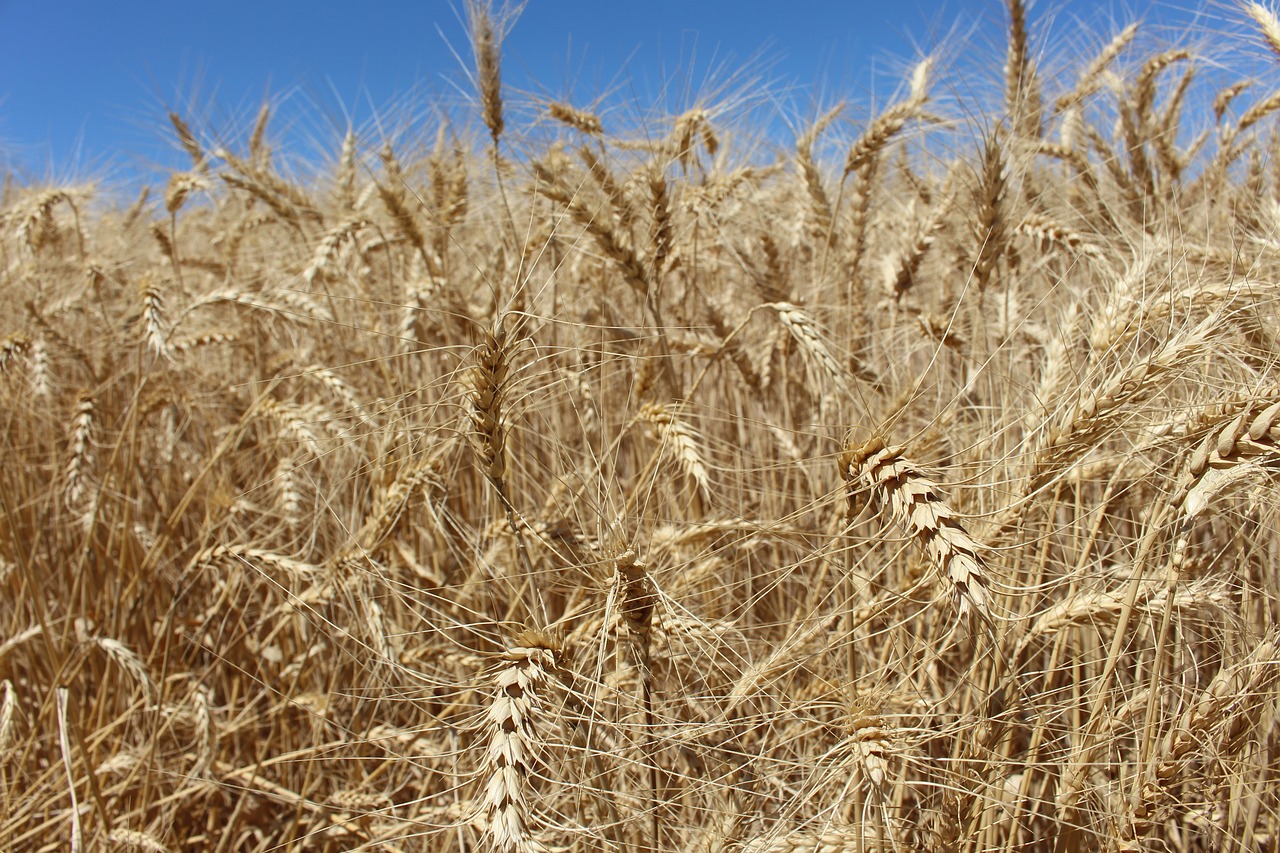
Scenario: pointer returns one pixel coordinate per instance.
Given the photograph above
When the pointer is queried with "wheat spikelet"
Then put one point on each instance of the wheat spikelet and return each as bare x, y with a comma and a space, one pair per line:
871, 741
164, 240
1226, 95
621, 208
126, 659
257, 558
860, 210
449, 189
1165, 129
201, 699
295, 421
1089, 419
689, 128
833, 839
916, 504
901, 277
63, 697
286, 200
1228, 697
37, 227
1256, 113
344, 179
1098, 606
1143, 95
637, 600
524, 675
288, 491
335, 385
1217, 722
136, 209
662, 238
290, 305
611, 241
1022, 86
730, 346
392, 504
1046, 232
209, 339
258, 151
395, 196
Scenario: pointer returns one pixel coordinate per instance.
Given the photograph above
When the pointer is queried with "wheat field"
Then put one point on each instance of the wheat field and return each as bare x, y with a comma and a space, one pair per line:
551, 484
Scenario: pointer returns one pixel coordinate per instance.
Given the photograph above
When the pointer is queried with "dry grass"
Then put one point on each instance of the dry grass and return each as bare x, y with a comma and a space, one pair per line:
571, 486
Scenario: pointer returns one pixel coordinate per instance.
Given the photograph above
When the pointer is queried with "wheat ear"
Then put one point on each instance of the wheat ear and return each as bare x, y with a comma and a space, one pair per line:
524, 674
1267, 22
1246, 445
900, 489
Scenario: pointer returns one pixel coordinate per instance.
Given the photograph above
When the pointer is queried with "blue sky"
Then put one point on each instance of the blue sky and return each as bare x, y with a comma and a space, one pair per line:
84, 83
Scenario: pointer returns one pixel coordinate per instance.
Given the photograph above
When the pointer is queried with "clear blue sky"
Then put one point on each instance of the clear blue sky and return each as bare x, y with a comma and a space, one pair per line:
84, 83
